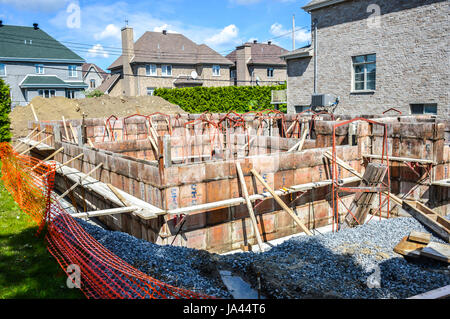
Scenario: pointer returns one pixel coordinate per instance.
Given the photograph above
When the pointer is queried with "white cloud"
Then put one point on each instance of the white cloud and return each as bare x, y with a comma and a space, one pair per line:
164, 27
38, 5
301, 35
244, 2
228, 35
111, 31
97, 51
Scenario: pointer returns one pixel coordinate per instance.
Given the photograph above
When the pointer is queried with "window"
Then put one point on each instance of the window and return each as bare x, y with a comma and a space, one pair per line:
151, 91
150, 70
46, 93
39, 68
364, 72
92, 84
233, 74
424, 109
70, 94
2, 70
216, 70
72, 71
166, 70
270, 72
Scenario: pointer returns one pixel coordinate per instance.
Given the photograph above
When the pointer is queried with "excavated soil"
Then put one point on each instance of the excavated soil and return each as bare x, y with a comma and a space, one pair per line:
98, 107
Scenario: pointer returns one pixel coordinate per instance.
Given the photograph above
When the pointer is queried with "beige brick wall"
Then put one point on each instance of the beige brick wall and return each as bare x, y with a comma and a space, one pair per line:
412, 48
279, 74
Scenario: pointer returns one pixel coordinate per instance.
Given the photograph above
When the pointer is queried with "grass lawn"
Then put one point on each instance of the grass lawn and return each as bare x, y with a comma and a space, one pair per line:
27, 270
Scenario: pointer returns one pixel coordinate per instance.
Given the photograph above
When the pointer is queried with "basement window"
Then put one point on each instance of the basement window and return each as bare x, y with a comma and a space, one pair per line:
364, 73
430, 108
2, 70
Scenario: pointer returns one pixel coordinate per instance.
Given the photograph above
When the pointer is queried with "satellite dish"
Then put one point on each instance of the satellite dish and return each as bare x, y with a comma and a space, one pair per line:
194, 75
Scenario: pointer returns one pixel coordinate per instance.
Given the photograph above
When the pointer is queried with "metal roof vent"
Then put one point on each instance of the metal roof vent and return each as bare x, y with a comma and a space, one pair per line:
35, 26
255, 41
164, 32
269, 43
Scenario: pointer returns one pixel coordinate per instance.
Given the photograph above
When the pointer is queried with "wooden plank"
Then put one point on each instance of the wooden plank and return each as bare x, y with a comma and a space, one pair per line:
65, 130
401, 159
34, 113
40, 146
408, 248
439, 293
442, 183
299, 146
37, 144
428, 218
249, 206
281, 203
80, 182
437, 251
26, 137
118, 195
419, 237
106, 212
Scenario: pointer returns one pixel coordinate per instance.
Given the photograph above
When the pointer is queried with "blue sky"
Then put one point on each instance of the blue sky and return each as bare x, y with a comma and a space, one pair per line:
221, 24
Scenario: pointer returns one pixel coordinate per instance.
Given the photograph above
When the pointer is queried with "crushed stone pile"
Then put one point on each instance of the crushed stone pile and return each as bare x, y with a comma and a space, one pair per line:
96, 107
353, 263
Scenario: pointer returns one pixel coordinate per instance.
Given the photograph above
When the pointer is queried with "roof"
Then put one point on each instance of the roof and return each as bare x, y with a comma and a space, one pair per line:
304, 52
263, 53
19, 43
317, 4
171, 48
49, 81
109, 82
87, 66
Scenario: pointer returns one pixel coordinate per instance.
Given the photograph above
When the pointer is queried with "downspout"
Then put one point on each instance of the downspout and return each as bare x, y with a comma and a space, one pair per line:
315, 54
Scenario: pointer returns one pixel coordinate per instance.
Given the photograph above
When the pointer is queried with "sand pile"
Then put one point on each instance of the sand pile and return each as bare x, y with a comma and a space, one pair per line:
99, 107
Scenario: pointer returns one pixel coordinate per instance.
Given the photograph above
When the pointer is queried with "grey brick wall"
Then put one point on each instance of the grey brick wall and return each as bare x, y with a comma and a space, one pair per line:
412, 48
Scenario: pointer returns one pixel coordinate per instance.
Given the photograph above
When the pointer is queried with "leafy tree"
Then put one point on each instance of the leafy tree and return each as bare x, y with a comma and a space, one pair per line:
5, 109
94, 93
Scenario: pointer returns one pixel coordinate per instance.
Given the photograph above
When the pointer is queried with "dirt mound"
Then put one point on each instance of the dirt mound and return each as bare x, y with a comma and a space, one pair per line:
97, 107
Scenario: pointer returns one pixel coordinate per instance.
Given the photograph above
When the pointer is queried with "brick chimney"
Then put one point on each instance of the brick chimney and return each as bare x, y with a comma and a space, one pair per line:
243, 55
127, 55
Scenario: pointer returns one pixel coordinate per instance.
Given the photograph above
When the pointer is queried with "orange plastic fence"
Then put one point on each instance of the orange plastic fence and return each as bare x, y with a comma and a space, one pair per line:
103, 274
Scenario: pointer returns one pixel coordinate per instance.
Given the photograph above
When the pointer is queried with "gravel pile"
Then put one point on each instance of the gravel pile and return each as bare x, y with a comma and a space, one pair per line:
354, 263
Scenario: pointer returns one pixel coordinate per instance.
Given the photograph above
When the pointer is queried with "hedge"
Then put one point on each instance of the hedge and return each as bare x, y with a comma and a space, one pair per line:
222, 99
5, 109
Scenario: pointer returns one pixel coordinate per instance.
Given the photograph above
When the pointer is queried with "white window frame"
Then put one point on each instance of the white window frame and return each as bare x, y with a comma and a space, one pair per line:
73, 72
365, 63
3, 66
164, 68
41, 93
152, 90
272, 72
216, 68
151, 70
39, 68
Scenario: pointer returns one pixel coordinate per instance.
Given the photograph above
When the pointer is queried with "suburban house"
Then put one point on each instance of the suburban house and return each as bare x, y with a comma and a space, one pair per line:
93, 76
373, 55
35, 64
164, 60
257, 64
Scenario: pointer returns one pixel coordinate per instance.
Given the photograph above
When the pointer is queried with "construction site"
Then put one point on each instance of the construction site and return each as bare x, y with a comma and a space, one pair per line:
176, 205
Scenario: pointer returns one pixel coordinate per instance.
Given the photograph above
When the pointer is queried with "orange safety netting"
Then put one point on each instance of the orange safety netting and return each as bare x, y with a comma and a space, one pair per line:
103, 274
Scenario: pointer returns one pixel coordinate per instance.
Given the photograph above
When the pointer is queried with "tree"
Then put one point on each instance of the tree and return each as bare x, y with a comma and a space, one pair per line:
94, 93
5, 109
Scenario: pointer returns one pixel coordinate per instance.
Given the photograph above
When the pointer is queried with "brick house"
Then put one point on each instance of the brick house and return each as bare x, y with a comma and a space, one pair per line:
257, 64
399, 58
34, 64
164, 60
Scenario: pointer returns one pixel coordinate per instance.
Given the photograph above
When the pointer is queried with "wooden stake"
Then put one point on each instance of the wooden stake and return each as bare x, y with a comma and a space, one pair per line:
34, 113
51, 156
111, 137
249, 206
39, 143
281, 203
298, 147
28, 136
106, 212
80, 182
118, 195
65, 130
75, 137
90, 143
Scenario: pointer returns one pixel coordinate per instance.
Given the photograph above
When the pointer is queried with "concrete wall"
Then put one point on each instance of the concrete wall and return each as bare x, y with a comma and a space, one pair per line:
412, 56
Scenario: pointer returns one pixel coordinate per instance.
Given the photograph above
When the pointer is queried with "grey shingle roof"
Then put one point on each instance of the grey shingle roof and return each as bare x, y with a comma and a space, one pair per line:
171, 48
263, 53
109, 82
19, 43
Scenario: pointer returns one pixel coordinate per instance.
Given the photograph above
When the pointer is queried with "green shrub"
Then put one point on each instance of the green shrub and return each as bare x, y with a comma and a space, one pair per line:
5, 109
94, 93
222, 99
